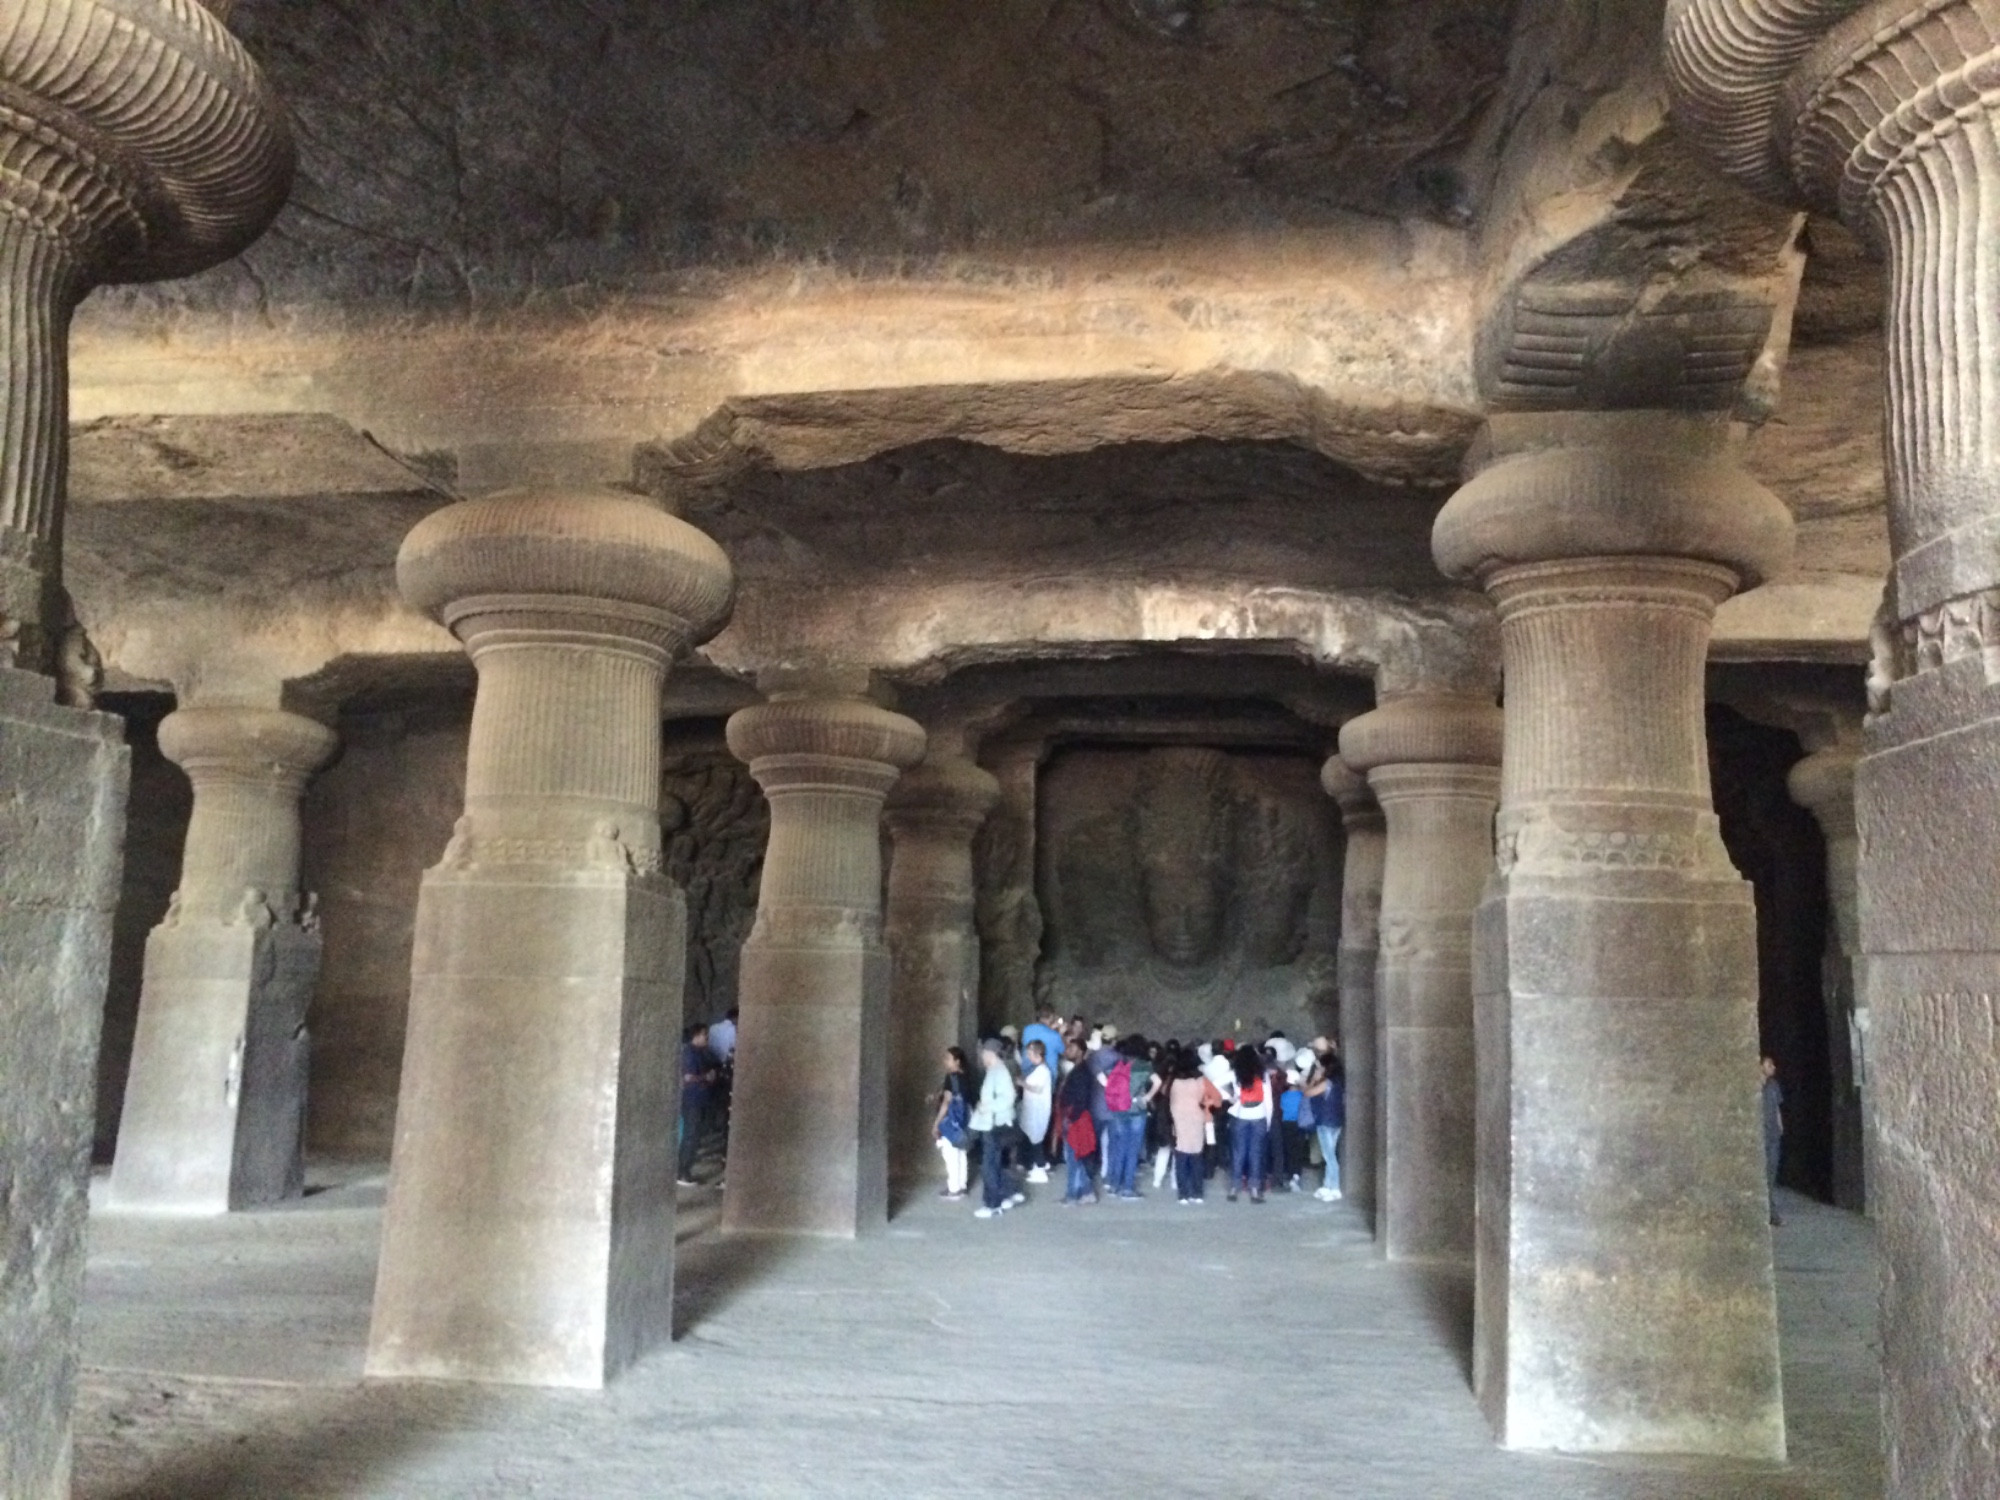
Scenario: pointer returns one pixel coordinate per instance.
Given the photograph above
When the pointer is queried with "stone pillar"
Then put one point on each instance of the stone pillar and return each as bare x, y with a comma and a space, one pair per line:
214, 1114
1009, 910
808, 1131
933, 814
1432, 761
1625, 1294
529, 1231
1887, 117
137, 141
1823, 784
1360, 942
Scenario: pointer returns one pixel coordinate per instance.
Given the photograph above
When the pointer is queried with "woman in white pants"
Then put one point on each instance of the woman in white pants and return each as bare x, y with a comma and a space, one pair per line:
953, 1116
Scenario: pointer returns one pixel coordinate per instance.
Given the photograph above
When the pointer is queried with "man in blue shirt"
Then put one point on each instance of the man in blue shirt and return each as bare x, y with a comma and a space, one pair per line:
699, 1072
1043, 1030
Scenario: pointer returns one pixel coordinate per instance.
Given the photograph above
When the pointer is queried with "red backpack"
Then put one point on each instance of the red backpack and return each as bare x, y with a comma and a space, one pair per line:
1118, 1087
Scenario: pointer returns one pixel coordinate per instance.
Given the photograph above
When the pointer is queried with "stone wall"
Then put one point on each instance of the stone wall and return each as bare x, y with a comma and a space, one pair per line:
374, 821
1189, 891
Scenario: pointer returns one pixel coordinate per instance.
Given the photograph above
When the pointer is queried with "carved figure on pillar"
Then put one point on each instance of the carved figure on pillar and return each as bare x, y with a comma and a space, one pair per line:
529, 1231
933, 814
1360, 944
137, 142
1625, 1292
1885, 114
1433, 763
228, 977
809, 1130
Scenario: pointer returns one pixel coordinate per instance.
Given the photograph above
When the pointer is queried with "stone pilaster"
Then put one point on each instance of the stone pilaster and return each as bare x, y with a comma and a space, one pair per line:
933, 814
1432, 762
1823, 784
529, 1232
137, 141
1009, 908
1625, 1295
1360, 945
215, 1101
808, 1130
1885, 113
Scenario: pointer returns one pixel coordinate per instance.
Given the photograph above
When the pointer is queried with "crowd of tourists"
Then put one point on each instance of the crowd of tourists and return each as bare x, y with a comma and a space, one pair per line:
1063, 1096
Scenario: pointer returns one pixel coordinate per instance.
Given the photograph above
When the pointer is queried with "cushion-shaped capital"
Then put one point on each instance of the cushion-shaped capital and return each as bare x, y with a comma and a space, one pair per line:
1346, 786
1614, 485
1423, 729
944, 789
161, 141
287, 744
547, 559
844, 728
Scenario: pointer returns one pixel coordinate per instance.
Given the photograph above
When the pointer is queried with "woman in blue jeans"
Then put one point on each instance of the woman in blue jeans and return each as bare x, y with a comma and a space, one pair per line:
1072, 1105
1249, 1123
1326, 1089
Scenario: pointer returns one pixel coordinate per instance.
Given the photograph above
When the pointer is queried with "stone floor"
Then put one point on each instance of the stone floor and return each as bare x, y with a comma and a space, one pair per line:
1120, 1350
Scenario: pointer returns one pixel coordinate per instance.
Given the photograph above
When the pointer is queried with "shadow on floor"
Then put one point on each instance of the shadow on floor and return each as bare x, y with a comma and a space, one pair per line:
712, 1269
357, 1433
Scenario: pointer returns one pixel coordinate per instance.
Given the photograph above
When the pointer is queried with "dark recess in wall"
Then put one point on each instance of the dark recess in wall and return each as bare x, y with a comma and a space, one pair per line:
1778, 847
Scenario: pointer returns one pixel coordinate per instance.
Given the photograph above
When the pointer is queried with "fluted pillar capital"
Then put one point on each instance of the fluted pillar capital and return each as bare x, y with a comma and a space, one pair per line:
1422, 729
1618, 488
138, 141
803, 741
585, 567
1823, 784
1350, 792
950, 793
252, 745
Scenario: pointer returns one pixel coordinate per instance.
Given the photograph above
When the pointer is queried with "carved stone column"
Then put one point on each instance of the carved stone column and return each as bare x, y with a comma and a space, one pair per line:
214, 1115
1823, 784
1360, 943
529, 1232
1432, 762
808, 1130
933, 814
137, 141
1886, 113
1009, 908
1625, 1295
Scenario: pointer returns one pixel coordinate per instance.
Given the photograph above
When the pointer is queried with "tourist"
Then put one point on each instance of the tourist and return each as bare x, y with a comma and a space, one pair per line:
1249, 1123
953, 1122
1188, 1108
1278, 1139
1076, 1124
1774, 1133
1215, 1068
698, 1075
1126, 1086
722, 1039
993, 1123
1167, 1063
1101, 1056
1038, 1098
1326, 1100
1045, 1028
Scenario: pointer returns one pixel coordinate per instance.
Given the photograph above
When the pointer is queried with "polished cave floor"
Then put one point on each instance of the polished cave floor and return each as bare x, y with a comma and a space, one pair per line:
1119, 1350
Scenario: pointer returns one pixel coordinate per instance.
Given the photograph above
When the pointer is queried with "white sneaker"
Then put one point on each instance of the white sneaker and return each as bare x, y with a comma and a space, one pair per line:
1018, 1198
1038, 1175
1333, 1195
983, 1212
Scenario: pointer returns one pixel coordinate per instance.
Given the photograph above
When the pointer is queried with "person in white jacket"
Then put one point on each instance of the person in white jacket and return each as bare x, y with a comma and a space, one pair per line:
993, 1123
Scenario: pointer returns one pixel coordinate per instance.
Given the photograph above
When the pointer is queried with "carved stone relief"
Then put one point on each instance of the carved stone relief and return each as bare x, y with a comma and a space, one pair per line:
715, 822
1188, 891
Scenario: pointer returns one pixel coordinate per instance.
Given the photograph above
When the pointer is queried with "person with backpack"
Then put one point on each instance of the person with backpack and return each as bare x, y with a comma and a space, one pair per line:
1125, 1110
1076, 1125
953, 1123
993, 1122
1249, 1123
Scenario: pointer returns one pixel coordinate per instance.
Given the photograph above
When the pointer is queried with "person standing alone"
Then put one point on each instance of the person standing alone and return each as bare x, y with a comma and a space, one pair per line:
1774, 1132
698, 1075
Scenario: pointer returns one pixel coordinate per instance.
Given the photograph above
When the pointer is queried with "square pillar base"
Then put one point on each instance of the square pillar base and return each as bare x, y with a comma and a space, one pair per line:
214, 1116
1625, 1299
808, 1127
63, 775
529, 1231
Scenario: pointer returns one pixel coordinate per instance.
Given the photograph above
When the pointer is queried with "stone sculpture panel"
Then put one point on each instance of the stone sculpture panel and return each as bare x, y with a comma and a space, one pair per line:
1188, 891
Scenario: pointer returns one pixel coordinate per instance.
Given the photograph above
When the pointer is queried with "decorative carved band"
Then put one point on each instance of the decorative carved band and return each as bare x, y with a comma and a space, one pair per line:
812, 926
604, 849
